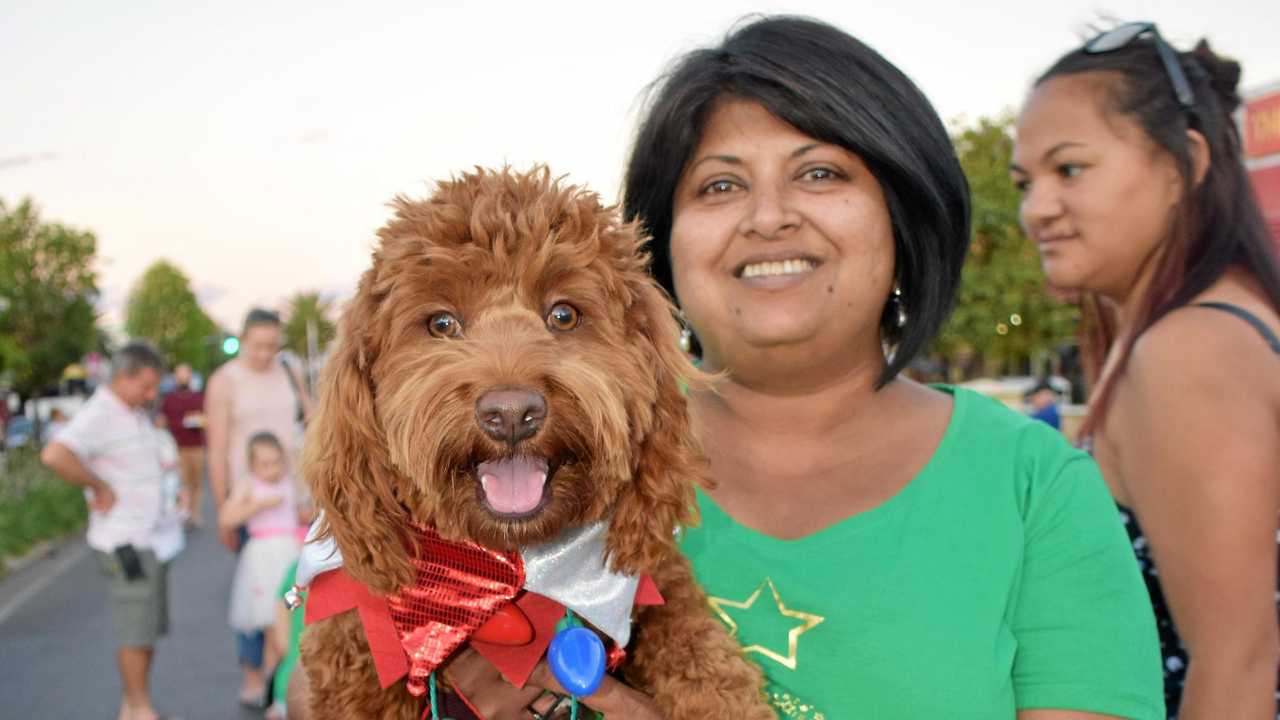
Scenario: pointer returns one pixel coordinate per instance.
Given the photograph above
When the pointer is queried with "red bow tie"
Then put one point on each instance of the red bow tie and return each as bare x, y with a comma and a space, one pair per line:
460, 587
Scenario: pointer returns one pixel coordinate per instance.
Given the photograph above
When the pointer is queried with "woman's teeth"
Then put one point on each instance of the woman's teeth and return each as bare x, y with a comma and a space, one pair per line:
784, 267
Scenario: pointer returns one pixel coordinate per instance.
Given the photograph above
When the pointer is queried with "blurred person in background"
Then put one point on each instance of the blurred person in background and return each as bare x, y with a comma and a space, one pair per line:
251, 394
1129, 162
113, 451
183, 409
1042, 404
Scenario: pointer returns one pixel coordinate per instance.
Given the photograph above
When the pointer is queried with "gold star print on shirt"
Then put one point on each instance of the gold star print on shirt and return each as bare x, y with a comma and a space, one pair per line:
765, 624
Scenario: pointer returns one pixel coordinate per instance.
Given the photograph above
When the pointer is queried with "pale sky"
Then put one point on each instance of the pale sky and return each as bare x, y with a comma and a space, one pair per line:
256, 144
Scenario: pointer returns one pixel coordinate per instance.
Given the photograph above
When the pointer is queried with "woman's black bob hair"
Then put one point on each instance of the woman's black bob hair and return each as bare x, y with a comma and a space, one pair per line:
835, 89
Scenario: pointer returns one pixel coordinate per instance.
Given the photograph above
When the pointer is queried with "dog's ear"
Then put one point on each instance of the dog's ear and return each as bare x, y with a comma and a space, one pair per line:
660, 495
345, 460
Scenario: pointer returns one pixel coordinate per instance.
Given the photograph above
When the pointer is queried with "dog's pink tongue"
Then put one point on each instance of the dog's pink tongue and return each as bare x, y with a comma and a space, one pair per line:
513, 485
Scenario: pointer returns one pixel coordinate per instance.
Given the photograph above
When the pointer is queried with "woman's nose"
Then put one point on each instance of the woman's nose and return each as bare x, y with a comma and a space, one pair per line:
1040, 205
770, 212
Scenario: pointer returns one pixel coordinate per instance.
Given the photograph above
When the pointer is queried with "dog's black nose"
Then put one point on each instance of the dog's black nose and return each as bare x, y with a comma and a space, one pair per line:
511, 414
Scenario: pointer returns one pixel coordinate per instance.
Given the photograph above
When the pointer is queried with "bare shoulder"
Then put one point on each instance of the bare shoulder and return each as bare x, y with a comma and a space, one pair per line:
1202, 363
219, 379
1204, 348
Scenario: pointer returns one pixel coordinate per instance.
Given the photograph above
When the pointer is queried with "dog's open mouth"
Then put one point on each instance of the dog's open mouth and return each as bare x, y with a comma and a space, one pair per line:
514, 487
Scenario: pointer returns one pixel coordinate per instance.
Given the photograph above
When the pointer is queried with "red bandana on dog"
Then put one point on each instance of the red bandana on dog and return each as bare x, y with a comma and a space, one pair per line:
460, 588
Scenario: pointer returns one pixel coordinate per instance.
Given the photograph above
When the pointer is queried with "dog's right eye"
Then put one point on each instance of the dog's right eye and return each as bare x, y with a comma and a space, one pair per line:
563, 317
444, 325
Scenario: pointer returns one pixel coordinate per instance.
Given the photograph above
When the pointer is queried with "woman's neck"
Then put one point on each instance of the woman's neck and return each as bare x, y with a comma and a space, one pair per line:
256, 369
790, 402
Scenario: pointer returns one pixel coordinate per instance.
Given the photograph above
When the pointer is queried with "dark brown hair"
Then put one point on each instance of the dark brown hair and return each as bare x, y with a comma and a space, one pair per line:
1216, 226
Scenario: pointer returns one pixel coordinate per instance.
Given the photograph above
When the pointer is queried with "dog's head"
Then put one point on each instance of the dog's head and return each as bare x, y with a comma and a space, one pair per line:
506, 370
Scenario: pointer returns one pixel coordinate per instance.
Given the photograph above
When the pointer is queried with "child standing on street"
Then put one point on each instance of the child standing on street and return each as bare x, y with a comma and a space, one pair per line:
268, 507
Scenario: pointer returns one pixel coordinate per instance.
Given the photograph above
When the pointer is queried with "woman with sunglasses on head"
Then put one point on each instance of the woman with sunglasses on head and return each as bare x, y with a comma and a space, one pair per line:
1135, 192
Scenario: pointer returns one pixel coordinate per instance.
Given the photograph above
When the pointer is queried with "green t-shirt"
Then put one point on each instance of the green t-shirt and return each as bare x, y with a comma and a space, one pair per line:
998, 579
280, 681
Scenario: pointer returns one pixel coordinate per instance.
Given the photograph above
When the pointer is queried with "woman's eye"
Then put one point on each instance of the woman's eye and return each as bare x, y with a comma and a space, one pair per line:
1022, 185
563, 317
821, 173
718, 187
444, 325
1070, 170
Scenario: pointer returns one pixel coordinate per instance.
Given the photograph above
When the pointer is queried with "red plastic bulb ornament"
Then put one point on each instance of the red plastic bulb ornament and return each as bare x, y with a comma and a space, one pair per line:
508, 626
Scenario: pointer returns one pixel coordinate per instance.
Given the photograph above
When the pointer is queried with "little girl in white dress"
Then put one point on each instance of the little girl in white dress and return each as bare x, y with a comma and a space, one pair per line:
268, 507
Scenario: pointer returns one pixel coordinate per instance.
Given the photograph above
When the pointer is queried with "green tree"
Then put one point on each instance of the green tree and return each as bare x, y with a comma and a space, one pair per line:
48, 288
163, 309
309, 329
1004, 315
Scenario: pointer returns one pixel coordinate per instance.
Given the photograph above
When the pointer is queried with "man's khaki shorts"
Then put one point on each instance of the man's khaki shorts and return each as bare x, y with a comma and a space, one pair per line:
139, 608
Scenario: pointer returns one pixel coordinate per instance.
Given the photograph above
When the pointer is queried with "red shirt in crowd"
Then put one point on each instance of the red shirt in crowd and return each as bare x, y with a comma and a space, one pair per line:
177, 405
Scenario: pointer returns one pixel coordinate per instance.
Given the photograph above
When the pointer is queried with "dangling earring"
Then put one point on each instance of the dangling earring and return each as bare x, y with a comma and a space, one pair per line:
686, 340
900, 304
686, 335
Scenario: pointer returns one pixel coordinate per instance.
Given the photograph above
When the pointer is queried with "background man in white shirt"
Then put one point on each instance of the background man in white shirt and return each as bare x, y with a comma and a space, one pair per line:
111, 450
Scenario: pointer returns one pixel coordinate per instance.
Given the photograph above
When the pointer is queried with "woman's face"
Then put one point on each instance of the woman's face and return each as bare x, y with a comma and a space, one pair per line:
779, 240
1097, 194
259, 346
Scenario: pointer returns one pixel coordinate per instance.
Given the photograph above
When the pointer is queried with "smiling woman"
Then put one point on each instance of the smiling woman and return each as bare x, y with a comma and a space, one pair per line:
880, 548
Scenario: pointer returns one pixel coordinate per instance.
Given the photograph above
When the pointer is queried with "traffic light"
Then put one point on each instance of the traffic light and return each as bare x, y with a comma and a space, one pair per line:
231, 345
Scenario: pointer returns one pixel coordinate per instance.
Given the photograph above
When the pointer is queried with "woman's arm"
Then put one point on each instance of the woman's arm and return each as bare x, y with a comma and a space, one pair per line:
487, 691
1080, 614
217, 407
1195, 435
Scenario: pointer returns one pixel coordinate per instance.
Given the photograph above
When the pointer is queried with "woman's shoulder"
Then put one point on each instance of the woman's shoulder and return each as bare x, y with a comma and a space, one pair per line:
990, 437
1210, 348
984, 419
224, 376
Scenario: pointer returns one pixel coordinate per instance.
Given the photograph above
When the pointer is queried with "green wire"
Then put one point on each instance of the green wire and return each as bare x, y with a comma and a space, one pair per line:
435, 710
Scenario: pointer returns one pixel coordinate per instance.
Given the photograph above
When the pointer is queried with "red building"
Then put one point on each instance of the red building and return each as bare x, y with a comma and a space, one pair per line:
1261, 124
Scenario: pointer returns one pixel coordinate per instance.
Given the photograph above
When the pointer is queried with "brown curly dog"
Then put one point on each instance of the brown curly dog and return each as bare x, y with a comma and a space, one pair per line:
509, 318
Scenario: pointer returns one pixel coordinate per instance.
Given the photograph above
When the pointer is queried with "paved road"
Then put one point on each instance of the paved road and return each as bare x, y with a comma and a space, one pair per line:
57, 653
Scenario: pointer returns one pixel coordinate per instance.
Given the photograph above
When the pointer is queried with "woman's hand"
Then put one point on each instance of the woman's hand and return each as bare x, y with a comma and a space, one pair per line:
496, 699
614, 698
485, 689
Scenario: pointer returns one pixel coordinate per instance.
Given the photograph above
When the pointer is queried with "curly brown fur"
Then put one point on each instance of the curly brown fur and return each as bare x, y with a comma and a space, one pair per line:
396, 437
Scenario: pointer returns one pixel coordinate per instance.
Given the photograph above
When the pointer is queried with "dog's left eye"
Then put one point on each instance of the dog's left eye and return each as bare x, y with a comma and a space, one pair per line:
444, 325
563, 317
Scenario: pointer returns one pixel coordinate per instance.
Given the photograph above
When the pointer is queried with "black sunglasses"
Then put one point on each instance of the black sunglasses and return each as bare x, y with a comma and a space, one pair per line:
1121, 36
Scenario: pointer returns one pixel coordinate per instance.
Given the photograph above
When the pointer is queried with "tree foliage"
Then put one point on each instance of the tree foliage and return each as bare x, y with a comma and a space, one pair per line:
1004, 314
163, 309
309, 308
48, 288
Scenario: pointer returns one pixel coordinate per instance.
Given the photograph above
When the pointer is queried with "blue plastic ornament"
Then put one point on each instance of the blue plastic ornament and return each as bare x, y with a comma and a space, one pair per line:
577, 659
